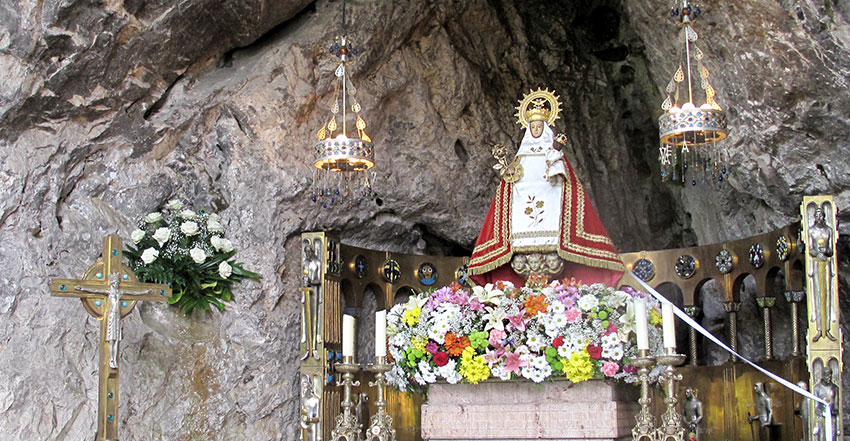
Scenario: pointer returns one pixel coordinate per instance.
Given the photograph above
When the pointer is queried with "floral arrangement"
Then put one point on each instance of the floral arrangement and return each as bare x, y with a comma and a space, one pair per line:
540, 331
187, 250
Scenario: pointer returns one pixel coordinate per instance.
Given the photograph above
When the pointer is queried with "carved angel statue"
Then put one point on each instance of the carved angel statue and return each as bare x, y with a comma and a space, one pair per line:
692, 413
311, 266
826, 390
764, 405
310, 404
821, 250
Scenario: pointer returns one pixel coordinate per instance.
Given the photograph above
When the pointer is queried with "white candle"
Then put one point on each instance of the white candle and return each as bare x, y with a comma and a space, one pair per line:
669, 323
640, 325
347, 335
381, 333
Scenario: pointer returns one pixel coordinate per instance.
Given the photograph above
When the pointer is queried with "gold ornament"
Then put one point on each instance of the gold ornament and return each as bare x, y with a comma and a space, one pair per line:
538, 98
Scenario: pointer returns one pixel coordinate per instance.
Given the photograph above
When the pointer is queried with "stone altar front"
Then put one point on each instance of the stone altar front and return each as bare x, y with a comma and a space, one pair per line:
518, 410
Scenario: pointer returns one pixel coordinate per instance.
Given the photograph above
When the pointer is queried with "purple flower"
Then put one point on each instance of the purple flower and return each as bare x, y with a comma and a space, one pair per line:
439, 297
432, 347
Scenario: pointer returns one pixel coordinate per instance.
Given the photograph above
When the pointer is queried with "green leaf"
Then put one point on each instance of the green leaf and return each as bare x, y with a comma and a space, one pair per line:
175, 297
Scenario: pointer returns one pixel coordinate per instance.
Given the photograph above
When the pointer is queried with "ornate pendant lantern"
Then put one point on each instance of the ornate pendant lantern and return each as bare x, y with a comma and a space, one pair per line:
690, 132
342, 173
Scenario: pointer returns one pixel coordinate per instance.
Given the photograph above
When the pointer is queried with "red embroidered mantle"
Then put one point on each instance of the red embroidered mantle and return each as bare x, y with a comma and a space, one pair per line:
583, 238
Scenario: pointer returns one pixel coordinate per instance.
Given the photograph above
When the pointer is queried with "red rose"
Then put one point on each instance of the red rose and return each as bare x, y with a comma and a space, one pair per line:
594, 351
441, 358
558, 342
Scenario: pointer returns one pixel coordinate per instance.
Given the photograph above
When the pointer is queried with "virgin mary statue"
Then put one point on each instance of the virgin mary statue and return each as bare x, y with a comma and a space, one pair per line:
541, 220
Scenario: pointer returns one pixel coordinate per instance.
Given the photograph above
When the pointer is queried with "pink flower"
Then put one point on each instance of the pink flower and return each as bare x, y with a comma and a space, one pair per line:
475, 305
609, 368
460, 298
573, 315
517, 321
496, 337
629, 369
612, 328
513, 363
493, 357
432, 347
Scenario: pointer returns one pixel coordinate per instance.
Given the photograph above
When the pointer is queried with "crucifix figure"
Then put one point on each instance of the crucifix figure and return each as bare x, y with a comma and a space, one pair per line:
113, 317
109, 290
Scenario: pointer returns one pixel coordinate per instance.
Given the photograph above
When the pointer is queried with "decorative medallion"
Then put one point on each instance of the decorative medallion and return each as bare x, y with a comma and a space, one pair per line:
392, 271
644, 269
724, 261
462, 275
691, 310
686, 266
427, 274
360, 267
783, 248
756, 255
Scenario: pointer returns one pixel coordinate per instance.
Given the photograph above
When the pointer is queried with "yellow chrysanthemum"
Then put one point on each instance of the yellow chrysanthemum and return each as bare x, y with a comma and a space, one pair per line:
419, 343
473, 367
655, 317
578, 367
411, 316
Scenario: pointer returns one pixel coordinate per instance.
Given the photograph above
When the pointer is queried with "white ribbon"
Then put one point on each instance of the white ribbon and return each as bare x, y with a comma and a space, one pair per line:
692, 323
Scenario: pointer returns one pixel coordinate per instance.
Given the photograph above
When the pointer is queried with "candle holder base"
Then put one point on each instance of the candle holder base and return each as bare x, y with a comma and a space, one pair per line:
347, 427
672, 427
380, 424
644, 429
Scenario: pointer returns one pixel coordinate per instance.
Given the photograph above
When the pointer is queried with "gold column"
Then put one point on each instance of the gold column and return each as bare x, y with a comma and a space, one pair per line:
765, 303
692, 311
732, 309
794, 298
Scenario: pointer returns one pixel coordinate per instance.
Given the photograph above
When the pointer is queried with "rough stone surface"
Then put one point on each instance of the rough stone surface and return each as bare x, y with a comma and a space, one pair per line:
109, 108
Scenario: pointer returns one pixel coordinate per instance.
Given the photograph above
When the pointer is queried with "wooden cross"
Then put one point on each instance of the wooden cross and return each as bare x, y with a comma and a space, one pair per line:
109, 290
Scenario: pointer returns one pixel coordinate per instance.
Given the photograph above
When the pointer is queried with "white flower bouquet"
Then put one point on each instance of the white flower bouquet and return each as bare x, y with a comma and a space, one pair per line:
187, 250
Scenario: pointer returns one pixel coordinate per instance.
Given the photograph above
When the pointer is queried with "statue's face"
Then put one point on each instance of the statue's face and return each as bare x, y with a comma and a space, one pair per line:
536, 128
819, 216
689, 393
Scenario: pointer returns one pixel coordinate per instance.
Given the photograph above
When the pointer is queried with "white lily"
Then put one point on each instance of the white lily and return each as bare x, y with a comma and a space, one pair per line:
487, 294
495, 318
627, 321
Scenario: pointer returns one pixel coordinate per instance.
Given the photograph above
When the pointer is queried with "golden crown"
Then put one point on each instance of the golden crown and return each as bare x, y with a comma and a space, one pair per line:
533, 107
538, 112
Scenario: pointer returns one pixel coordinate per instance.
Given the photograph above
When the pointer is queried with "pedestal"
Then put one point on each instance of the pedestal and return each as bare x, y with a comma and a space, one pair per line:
590, 410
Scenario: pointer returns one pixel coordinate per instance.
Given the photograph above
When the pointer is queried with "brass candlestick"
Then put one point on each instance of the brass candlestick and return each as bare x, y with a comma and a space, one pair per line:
671, 428
644, 429
380, 424
347, 427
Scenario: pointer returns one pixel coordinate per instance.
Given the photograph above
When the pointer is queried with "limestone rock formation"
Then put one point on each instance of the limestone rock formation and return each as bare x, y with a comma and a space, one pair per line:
108, 109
